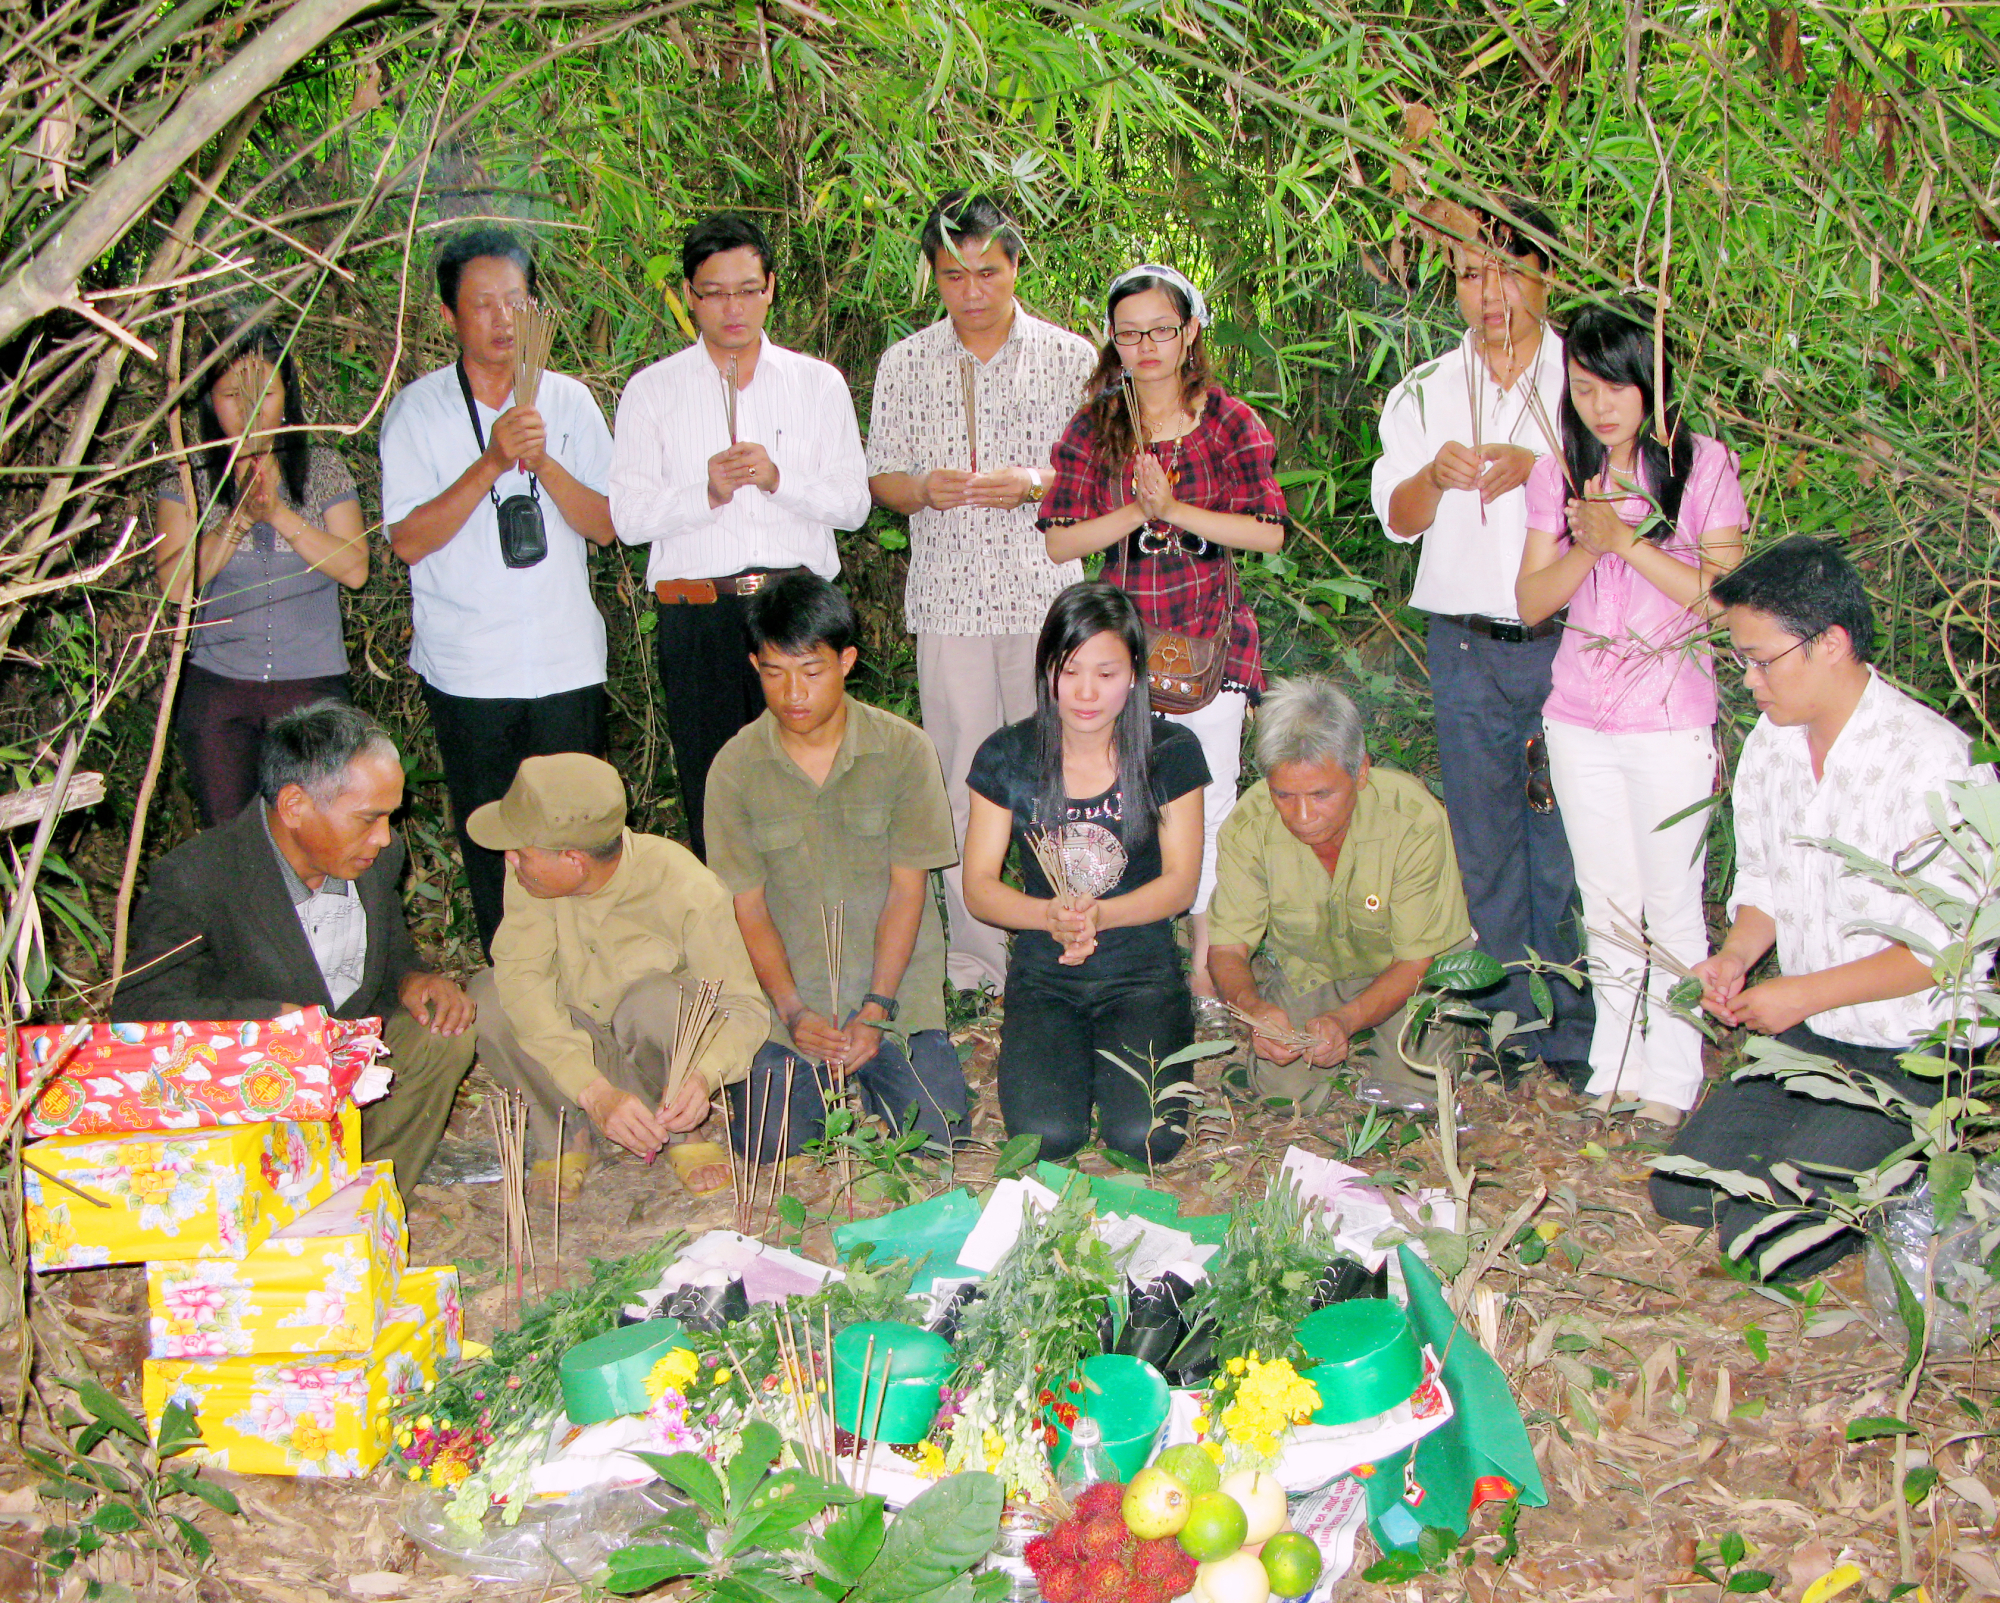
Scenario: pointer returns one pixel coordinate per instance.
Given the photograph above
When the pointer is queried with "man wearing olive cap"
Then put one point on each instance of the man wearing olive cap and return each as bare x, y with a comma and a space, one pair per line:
604, 933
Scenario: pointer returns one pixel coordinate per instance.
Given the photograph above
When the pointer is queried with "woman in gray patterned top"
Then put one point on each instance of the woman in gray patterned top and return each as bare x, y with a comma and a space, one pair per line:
276, 543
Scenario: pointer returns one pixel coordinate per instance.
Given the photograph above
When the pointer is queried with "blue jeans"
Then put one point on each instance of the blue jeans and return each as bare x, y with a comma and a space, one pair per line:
1520, 889
928, 1076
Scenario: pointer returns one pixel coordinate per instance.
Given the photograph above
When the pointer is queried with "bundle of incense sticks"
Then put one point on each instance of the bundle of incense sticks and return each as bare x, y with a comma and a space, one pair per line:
755, 1207
534, 333
729, 396
1628, 938
833, 930
1046, 844
509, 1114
1297, 1040
697, 1022
968, 373
1133, 411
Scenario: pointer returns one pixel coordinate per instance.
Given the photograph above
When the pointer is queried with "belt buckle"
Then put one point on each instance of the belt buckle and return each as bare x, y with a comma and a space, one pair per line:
1513, 634
748, 584
1161, 540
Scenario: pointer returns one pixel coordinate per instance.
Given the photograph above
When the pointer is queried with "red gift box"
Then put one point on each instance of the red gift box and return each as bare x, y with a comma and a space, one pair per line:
193, 1075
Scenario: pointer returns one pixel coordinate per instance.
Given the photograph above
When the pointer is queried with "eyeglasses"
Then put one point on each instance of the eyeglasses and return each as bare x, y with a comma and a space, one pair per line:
1753, 665
1153, 336
723, 297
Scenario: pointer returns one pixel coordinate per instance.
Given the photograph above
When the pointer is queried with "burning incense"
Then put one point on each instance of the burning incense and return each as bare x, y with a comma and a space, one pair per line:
534, 334
968, 374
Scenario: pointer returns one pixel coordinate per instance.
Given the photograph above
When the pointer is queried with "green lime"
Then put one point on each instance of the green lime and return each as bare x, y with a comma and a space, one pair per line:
1292, 1561
1215, 1526
1190, 1464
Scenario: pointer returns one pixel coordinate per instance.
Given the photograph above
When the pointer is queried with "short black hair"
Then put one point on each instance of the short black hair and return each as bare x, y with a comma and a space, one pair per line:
724, 231
798, 613
472, 243
969, 214
311, 747
1809, 587
1498, 228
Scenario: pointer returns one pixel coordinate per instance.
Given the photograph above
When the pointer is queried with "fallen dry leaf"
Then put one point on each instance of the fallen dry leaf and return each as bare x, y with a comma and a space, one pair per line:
379, 1583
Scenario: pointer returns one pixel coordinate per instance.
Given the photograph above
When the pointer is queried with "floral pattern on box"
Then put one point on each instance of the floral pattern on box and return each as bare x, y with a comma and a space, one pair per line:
323, 1284
204, 1194
323, 1415
431, 1297
193, 1075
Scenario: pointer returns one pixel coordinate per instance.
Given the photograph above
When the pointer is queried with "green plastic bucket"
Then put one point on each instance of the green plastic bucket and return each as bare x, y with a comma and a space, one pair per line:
606, 1376
1128, 1399
886, 1379
1366, 1359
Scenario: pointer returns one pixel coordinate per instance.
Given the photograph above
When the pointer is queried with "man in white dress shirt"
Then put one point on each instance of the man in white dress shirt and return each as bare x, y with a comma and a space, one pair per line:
968, 473
729, 487
1459, 438
1839, 754
507, 643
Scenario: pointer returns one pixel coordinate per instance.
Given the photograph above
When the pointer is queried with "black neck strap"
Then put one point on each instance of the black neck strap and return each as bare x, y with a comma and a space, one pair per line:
479, 434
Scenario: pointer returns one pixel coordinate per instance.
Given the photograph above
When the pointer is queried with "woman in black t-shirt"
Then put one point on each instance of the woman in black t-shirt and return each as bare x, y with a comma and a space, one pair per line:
1118, 793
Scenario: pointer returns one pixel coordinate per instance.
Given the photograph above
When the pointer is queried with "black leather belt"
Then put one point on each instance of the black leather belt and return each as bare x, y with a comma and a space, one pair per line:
1511, 630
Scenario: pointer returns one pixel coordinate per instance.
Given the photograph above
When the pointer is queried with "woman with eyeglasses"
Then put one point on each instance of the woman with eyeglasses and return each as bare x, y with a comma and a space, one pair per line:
1628, 527
1166, 473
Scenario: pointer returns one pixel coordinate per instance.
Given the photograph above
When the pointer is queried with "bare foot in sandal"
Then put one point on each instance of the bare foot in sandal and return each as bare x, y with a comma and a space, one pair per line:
703, 1166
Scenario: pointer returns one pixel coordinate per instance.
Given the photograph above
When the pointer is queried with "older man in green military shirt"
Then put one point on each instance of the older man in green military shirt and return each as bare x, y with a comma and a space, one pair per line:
1344, 874
828, 809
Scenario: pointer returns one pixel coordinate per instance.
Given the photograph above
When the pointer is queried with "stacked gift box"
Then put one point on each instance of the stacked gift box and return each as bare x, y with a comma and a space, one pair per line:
226, 1158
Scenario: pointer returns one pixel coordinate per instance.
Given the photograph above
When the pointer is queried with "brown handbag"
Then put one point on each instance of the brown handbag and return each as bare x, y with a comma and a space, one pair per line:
1183, 670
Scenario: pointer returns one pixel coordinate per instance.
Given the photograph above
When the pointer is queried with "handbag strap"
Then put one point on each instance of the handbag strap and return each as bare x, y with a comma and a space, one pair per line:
479, 434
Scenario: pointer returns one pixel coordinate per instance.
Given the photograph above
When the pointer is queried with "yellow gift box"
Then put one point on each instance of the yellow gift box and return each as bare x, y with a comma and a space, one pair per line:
322, 1415
430, 1297
180, 1194
323, 1284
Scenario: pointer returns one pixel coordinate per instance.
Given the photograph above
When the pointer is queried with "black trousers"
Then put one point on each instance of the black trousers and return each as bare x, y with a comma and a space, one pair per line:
1059, 1023
219, 726
1748, 1125
1520, 885
709, 690
481, 741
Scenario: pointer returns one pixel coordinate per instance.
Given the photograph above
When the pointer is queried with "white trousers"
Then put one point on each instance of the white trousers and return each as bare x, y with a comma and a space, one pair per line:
1614, 790
968, 686
1219, 728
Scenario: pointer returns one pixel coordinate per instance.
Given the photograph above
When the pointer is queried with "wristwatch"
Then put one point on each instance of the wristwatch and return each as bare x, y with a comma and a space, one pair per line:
886, 1003
1036, 487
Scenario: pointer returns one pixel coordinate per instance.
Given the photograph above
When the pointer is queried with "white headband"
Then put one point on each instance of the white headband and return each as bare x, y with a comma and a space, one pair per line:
1197, 307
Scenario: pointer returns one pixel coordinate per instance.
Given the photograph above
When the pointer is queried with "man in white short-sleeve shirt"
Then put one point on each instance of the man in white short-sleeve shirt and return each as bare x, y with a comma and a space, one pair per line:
1839, 754
731, 486
506, 642
980, 580
1459, 438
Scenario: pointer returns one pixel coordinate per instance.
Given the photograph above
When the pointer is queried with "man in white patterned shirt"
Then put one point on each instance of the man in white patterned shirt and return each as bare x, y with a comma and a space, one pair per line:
964, 416
729, 487
1839, 754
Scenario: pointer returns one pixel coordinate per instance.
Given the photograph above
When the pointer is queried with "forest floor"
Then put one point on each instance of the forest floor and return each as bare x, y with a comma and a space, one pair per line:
1669, 1404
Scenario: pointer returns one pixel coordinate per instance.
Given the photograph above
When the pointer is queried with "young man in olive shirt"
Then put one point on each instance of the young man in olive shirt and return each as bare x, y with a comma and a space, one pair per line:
1345, 873
826, 803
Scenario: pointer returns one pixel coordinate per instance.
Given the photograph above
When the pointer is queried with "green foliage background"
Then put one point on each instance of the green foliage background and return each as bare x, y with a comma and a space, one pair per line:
1811, 190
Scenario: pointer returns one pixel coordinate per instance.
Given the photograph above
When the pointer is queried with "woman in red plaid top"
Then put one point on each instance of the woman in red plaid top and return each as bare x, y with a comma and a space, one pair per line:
1166, 511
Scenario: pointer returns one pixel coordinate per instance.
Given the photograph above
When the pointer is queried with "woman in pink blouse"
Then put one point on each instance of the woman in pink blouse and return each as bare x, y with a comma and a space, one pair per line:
1628, 528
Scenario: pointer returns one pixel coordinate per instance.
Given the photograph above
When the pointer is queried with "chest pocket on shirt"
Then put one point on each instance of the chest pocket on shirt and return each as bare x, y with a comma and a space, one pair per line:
773, 835
867, 818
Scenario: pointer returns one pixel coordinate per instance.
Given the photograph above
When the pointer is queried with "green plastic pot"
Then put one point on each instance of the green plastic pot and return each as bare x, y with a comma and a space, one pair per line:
1128, 1399
888, 1391
606, 1376
1366, 1359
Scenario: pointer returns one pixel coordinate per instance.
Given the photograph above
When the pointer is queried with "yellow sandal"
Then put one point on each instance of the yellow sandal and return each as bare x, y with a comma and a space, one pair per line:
689, 1157
558, 1177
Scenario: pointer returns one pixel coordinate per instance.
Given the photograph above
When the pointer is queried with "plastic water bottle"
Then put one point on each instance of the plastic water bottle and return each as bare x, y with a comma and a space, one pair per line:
1088, 1460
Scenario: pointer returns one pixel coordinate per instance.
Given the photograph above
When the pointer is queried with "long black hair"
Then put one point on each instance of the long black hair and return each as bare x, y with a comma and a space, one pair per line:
292, 448
1080, 613
1615, 344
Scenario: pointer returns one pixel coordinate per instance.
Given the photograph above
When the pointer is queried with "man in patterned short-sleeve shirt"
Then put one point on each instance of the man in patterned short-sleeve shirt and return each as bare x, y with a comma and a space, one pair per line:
968, 475
1840, 755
